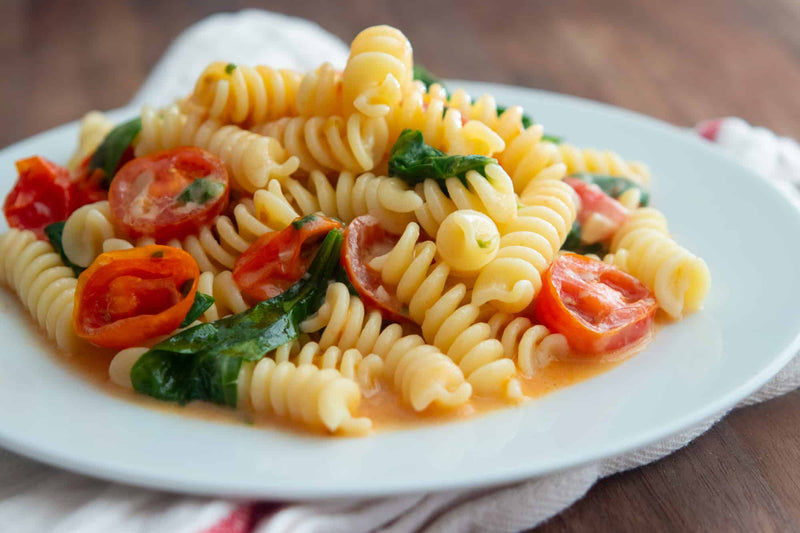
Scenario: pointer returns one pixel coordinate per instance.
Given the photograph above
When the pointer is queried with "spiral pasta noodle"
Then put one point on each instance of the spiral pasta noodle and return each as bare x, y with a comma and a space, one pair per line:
318, 398
507, 124
238, 94
364, 370
355, 143
93, 129
528, 159
642, 247
251, 159
453, 328
532, 346
528, 244
41, 281
442, 127
380, 66
90, 231
419, 372
320, 93
603, 162
389, 200
492, 195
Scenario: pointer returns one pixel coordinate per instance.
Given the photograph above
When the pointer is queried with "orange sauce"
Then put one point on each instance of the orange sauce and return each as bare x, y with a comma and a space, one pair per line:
384, 408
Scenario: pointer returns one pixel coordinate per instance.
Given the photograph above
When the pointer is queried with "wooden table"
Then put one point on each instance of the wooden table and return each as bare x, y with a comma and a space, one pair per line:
681, 61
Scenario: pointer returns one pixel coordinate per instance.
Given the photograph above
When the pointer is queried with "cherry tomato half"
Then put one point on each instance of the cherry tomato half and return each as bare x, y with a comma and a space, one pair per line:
40, 197
594, 200
275, 261
365, 239
129, 296
598, 307
169, 194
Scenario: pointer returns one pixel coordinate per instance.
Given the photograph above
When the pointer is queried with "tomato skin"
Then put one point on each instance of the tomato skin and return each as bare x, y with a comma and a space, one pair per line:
127, 297
362, 237
275, 261
144, 194
41, 196
598, 307
594, 200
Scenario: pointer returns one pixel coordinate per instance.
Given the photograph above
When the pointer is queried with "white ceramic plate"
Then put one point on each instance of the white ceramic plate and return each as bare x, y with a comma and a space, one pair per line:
748, 330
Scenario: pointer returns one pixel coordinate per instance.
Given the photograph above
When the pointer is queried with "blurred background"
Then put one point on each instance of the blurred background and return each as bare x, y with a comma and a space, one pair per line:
681, 61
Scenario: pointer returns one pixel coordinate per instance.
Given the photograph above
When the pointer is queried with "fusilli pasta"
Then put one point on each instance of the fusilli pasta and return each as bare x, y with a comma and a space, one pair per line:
527, 159
252, 159
94, 127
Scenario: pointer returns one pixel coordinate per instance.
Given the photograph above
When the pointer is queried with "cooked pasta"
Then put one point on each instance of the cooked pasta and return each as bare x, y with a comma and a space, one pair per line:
528, 159
442, 127
317, 398
527, 247
305, 245
642, 247
94, 127
334, 143
492, 195
252, 159
419, 372
238, 94
41, 281
379, 67
90, 230
389, 200
446, 323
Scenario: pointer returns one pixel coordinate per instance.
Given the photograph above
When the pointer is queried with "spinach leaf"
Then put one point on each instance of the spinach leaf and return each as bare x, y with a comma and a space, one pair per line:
555, 139
230, 67
424, 75
203, 362
614, 186
109, 153
200, 191
54, 234
414, 161
201, 303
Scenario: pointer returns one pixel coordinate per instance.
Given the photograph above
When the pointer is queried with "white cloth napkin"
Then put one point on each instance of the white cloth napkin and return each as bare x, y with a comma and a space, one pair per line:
37, 498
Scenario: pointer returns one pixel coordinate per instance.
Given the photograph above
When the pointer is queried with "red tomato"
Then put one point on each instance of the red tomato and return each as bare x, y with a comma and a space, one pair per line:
598, 307
169, 194
40, 197
129, 296
594, 200
86, 188
275, 261
365, 239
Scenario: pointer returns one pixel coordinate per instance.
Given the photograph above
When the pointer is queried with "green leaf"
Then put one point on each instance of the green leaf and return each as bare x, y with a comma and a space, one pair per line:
413, 161
229, 68
201, 303
300, 222
555, 139
54, 233
108, 155
203, 362
200, 191
614, 186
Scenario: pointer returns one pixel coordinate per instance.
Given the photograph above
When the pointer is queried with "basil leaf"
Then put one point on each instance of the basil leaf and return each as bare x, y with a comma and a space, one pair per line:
555, 139
413, 161
200, 191
203, 362
108, 155
614, 186
573, 243
199, 306
229, 68
54, 233
300, 222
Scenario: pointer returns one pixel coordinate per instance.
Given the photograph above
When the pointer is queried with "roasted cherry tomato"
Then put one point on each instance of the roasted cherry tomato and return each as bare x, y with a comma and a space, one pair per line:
275, 261
129, 296
598, 307
40, 197
88, 188
170, 194
594, 200
365, 239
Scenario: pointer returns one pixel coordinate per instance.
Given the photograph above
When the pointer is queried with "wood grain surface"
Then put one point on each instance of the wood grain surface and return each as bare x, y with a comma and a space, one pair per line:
680, 60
